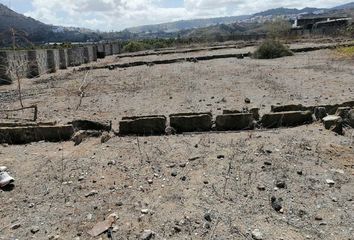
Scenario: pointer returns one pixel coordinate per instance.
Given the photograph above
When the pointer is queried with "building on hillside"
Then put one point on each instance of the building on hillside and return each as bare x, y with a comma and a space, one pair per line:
320, 25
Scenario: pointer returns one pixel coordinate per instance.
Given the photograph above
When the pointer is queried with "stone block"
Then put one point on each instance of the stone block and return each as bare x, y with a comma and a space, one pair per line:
286, 119
37, 63
237, 121
191, 122
143, 125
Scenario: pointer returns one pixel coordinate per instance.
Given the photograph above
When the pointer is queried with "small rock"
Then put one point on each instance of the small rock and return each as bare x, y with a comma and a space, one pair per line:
145, 211
193, 158
81, 178
174, 173
207, 216
267, 163
276, 203
261, 187
112, 163
247, 100
299, 172
150, 181
15, 226
318, 218
35, 229
183, 165
3, 168
147, 235
105, 137
280, 184
221, 156
92, 193
257, 234
330, 182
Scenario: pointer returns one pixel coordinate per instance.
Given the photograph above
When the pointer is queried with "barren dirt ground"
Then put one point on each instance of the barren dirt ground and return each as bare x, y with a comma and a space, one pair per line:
192, 186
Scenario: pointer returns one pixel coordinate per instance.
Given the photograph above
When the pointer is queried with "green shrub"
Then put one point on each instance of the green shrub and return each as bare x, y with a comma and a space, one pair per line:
133, 47
272, 49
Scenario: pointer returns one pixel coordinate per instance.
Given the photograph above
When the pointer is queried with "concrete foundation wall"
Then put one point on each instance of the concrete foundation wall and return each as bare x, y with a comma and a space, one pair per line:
37, 63
108, 49
63, 58
13, 64
53, 58
115, 48
76, 56
90, 54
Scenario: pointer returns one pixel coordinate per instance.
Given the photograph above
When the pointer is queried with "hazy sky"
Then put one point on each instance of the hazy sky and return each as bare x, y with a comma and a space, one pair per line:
109, 15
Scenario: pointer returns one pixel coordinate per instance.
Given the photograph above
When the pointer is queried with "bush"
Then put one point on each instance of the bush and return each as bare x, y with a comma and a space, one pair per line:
272, 49
133, 47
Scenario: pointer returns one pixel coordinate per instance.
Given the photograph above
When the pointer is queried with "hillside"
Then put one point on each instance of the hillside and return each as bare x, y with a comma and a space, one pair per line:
31, 30
257, 17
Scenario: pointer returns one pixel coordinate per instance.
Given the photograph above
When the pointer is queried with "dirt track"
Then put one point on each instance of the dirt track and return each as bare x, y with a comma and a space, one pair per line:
222, 184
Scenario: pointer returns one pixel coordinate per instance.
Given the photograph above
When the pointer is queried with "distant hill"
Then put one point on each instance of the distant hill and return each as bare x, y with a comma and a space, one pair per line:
286, 11
344, 6
202, 23
185, 24
9, 18
30, 30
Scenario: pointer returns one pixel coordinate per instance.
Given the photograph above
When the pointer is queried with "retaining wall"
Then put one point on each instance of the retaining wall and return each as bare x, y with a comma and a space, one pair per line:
63, 58
108, 49
53, 58
13, 64
37, 63
90, 54
115, 48
76, 56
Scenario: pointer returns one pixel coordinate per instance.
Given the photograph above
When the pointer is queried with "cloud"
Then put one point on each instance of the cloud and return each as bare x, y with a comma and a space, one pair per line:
109, 15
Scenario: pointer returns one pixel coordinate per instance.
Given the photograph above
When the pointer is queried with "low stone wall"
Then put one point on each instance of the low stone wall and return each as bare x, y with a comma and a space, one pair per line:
13, 64
37, 63
23, 135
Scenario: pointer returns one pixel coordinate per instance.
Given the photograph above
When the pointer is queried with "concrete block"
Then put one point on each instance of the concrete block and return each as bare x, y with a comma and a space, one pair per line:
76, 56
100, 51
191, 122
23, 135
63, 58
286, 119
90, 54
53, 60
236, 121
108, 49
144, 125
37, 62
115, 48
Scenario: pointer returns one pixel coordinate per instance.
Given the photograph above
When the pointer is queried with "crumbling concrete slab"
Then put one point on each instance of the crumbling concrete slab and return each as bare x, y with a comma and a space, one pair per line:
191, 122
143, 125
333, 123
84, 124
286, 119
291, 108
24, 135
236, 121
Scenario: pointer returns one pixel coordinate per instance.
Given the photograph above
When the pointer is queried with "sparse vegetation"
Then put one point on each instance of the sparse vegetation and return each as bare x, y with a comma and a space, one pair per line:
279, 28
345, 52
272, 49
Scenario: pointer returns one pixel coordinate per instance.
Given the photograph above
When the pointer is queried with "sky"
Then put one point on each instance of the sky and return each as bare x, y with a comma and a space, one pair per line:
114, 15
